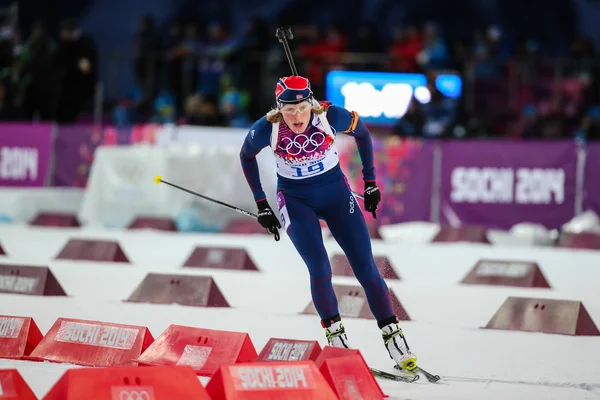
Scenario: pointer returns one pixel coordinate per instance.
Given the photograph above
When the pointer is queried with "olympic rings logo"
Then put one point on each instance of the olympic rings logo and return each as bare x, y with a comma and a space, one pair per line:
134, 395
302, 143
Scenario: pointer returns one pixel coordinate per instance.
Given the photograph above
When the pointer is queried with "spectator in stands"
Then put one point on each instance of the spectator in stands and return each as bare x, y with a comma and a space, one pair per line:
529, 93
590, 129
405, 49
322, 55
527, 126
147, 55
583, 49
202, 110
172, 42
485, 65
367, 42
215, 58
497, 44
490, 52
233, 104
164, 108
435, 53
39, 67
6, 113
439, 114
77, 62
11, 75
188, 52
182, 48
7, 44
479, 46
585, 66
248, 63
411, 124
6, 63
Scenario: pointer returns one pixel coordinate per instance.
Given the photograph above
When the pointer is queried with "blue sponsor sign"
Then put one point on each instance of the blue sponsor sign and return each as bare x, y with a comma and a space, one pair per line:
381, 98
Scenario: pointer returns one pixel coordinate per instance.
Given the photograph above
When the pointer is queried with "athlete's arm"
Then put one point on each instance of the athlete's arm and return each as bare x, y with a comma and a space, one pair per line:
349, 123
257, 139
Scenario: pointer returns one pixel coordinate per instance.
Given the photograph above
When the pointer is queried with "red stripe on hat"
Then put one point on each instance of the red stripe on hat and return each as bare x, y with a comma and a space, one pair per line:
279, 89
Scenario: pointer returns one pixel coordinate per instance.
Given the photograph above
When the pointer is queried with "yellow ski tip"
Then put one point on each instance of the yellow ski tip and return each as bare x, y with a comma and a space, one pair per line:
157, 179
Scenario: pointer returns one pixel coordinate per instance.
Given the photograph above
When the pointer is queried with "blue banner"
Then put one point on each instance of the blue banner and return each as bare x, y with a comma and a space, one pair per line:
381, 98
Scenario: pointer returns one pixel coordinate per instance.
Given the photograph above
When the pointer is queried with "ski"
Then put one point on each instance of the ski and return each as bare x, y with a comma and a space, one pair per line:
394, 377
429, 376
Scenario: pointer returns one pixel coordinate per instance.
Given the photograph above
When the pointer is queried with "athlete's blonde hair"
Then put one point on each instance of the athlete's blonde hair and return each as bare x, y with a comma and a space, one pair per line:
275, 115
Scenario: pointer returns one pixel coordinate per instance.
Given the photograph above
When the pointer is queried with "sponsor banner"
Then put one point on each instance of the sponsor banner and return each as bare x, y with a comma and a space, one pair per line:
96, 334
25, 153
499, 184
591, 183
273, 377
289, 351
491, 183
18, 284
10, 327
404, 169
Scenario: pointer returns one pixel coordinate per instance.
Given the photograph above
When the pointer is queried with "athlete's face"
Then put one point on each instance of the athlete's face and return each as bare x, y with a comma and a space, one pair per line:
297, 116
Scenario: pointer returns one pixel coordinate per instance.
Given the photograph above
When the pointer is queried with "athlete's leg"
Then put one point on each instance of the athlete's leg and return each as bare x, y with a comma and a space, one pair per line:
302, 226
348, 226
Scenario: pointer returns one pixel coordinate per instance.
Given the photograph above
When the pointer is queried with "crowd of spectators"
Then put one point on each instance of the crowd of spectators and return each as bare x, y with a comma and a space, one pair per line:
205, 75
511, 88
46, 77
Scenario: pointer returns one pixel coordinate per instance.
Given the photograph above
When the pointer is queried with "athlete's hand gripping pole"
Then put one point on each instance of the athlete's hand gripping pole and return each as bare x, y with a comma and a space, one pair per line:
267, 218
372, 197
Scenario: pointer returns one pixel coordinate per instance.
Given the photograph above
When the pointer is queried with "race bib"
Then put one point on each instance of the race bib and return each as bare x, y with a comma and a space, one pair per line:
308, 168
301, 156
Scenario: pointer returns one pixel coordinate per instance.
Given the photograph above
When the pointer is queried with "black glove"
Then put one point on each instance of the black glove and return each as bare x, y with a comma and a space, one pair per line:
372, 197
267, 218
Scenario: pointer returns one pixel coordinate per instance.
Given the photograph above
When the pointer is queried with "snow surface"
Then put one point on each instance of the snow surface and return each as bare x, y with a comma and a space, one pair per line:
445, 331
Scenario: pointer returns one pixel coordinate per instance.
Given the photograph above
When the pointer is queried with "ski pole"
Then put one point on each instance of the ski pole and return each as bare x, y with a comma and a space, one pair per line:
158, 179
